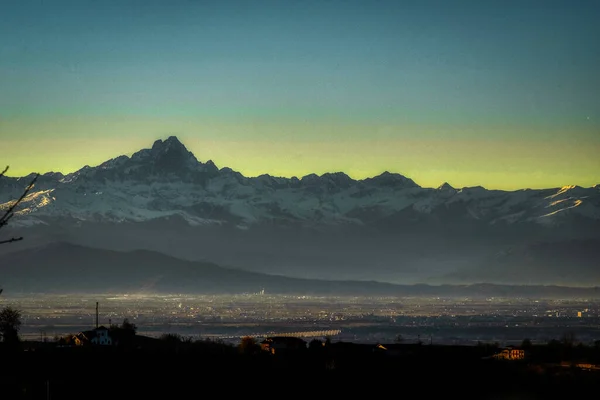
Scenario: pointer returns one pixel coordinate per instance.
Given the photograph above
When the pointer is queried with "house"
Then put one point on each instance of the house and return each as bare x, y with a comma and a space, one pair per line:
279, 344
79, 339
101, 337
510, 353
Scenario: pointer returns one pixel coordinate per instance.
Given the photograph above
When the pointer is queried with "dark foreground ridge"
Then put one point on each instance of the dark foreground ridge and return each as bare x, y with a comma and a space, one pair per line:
172, 367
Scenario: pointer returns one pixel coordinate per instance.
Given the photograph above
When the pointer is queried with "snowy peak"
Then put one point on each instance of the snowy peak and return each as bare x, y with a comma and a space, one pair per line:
391, 180
171, 145
329, 182
165, 159
166, 180
169, 155
310, 179
272, 182
114, 162
53, 175
446, 187
338, 179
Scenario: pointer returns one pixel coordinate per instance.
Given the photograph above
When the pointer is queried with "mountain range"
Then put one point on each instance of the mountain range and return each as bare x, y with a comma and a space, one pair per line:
385, 228
64, 268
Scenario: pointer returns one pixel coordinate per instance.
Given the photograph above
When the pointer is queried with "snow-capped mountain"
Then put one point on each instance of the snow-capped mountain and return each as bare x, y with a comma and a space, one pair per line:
268, 221
167, 179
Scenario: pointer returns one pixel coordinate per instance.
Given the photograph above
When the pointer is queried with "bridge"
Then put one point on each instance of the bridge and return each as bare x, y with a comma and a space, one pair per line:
304, 334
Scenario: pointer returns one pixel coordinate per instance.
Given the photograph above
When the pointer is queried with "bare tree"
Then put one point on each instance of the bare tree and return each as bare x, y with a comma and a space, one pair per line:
10, 212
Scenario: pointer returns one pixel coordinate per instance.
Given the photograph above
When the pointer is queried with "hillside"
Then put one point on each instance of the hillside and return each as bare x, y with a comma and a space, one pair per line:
68, 268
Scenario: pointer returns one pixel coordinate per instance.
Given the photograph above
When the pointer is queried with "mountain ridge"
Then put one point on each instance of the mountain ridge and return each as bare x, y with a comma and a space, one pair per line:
385, 227
160, 146
71, 268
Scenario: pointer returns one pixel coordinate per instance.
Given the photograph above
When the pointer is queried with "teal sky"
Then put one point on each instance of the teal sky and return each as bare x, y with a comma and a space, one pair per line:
503, 94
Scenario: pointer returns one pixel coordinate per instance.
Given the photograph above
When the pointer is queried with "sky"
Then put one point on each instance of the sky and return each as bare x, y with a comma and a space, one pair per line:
502, 94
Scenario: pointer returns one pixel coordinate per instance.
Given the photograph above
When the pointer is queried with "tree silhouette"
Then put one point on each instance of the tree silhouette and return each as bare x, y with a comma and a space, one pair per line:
248, 345
526, 343
129, 326
171, 337
315, 344
10, 211
10, 323
125, 333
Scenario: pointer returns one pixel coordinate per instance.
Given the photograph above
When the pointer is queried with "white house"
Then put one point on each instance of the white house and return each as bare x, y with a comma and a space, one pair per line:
101, 336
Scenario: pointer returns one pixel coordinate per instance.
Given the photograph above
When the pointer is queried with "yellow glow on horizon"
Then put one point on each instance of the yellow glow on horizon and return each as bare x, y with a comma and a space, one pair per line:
428, 155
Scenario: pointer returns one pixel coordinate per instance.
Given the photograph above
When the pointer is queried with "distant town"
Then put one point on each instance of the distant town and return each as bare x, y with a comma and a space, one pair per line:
463, 321
342, 345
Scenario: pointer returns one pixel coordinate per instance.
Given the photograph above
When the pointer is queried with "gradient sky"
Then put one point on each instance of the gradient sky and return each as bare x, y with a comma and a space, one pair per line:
503, 94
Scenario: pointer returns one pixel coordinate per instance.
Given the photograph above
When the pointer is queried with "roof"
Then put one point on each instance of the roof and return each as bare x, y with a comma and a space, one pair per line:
81, 335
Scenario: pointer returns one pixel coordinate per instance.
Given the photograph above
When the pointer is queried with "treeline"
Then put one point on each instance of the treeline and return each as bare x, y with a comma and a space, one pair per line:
174, 367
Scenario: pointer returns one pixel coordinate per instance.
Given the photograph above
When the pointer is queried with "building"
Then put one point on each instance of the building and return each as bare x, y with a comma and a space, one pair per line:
510, 353
101, 337
280, 344
79, 339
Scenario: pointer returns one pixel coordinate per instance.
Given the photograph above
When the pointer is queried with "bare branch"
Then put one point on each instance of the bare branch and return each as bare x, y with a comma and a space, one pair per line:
8, 214
5, 221
11, 240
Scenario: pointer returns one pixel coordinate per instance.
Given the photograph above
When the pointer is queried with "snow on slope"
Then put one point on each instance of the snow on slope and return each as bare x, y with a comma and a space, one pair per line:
167, 180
